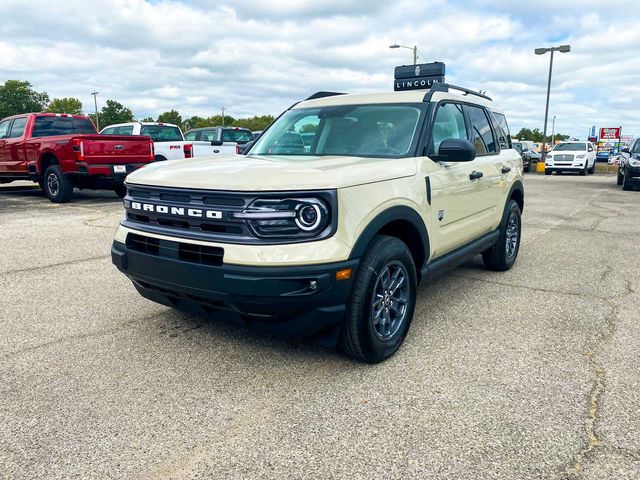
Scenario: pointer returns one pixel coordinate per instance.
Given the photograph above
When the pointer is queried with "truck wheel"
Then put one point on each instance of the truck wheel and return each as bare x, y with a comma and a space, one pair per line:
592, 170
57, 186
382, 301
620, 177
159, 158
626, 183
583, 172
120, 190
503, 254
547, 171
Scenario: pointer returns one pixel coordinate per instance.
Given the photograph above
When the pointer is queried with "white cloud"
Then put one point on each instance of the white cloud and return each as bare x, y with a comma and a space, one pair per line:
260, 57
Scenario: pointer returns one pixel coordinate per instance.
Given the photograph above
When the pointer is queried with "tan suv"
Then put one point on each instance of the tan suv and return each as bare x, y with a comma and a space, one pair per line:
326, 227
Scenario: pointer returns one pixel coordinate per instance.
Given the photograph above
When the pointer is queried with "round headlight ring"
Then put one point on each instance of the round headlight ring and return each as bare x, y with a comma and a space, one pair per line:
308, 216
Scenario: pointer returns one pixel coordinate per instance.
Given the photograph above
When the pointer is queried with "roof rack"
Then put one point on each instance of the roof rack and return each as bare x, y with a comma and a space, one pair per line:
444, 87
323, 95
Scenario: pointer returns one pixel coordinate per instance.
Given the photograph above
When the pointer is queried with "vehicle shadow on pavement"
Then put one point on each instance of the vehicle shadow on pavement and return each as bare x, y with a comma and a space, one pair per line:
18, 193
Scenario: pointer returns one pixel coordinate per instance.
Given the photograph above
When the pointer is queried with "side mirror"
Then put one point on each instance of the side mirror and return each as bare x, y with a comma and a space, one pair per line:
625, 150
456, 150
216, 143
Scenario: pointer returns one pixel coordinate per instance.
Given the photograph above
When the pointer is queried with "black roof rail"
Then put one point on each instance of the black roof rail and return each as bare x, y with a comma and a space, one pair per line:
323, 95
444, 87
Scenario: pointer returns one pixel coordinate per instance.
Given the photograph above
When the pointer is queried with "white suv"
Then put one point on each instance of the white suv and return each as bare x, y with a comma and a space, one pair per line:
571, 157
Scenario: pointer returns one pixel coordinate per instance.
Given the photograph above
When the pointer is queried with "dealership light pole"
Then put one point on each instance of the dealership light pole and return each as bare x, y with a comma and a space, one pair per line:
414, 48
553, 131
542, 51
95, 103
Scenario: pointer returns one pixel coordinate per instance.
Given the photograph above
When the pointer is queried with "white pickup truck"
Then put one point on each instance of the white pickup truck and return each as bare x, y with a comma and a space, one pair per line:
169, 142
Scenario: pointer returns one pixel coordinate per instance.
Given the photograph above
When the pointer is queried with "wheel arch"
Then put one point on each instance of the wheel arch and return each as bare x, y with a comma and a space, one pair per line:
46, 159
403, 223
516, 193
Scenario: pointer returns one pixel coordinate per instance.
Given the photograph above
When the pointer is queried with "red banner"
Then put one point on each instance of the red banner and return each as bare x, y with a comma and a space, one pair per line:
609, 133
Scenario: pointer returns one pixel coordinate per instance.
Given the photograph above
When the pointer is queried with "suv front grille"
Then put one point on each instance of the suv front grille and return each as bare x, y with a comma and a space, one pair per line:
563, 158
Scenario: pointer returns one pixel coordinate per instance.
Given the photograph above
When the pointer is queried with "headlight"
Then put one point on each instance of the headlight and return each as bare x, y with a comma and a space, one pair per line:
580, 156
286, 218
634, 162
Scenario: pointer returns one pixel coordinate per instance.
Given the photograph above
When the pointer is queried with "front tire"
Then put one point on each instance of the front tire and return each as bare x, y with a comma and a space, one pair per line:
57, 186
382, 302
592, 170
120, 190
620, 177
626, 183
547, 171
583, 172
503, 254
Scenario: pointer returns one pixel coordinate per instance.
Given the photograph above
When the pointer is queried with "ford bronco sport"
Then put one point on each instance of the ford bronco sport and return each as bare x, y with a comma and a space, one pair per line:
329, 236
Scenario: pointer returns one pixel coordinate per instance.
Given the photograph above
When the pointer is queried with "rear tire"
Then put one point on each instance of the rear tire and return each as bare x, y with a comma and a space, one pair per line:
504, 252
547, 171
382, 302
57, 185
159, 158
120, 190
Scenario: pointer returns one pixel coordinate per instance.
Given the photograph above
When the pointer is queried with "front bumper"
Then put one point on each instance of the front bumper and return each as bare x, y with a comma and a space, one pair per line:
564, 167
295, 301
633, 173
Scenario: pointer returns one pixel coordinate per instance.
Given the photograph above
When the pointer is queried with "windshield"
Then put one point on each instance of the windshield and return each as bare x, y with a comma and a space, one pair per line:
161, 133
239, 136
355, 130
563, 147
48, 126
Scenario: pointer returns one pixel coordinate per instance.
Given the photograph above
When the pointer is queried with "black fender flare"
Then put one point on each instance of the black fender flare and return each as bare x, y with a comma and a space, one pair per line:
384, 218
517, 186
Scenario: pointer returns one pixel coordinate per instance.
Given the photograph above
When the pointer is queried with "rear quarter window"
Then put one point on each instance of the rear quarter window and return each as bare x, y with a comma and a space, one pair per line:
502, 130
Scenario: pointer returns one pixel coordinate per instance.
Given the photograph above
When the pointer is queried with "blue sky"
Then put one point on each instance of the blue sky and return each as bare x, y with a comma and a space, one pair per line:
259, 57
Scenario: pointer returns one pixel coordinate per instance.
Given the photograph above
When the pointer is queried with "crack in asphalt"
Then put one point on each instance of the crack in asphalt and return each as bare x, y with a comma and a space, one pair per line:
53, 265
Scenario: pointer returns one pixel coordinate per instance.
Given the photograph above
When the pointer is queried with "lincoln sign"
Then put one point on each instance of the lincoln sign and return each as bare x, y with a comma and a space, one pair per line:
610, 133
418, 77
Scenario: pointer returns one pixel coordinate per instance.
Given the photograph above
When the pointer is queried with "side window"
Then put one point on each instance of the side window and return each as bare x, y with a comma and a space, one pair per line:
448, 123
17, 129
191, 136
590, 147
481, 133
125, 130
109, 131
502, 130
4, 128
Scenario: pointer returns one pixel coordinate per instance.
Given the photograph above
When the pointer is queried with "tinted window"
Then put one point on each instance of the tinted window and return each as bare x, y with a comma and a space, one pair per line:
4, 127
128, 130
636, 147
190, 136
161, 133
108, 131
208, 135
50, 126
502, 130
232, 135
569, 147
518, 147
481, 134
448, 123
589, 147
17, 129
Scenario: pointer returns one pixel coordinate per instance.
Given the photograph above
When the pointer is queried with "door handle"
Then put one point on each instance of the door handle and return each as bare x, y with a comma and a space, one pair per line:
475, 175
506, 169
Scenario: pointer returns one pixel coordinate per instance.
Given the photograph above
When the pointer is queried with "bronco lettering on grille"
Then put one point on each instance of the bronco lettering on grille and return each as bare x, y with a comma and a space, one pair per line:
178, 211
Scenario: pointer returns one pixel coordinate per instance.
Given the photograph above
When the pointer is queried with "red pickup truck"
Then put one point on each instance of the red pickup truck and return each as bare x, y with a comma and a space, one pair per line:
62, 151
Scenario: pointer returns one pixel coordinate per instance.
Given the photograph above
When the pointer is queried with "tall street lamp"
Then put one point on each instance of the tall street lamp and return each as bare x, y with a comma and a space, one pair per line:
542, 51
414, 48
553, 131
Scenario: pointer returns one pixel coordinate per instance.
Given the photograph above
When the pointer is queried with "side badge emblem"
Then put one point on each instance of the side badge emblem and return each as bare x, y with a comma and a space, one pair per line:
440, 215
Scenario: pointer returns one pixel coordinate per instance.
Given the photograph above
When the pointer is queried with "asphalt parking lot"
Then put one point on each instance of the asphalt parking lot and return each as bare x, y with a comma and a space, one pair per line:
532, 373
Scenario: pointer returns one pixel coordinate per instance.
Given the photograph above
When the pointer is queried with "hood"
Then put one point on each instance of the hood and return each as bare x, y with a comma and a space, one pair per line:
264, 173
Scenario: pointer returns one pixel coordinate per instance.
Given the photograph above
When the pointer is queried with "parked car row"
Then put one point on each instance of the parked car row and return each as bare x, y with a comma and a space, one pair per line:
629, 166
62, 152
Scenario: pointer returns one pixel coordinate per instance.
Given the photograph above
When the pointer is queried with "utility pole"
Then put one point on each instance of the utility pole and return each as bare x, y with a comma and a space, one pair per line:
95, 103
222, 108
553, 131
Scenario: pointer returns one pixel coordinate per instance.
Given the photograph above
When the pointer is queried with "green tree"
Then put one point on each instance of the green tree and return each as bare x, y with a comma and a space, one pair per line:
147, 119
257, 122
172, 116
308, 128
113, 112
18, 97
68, 105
